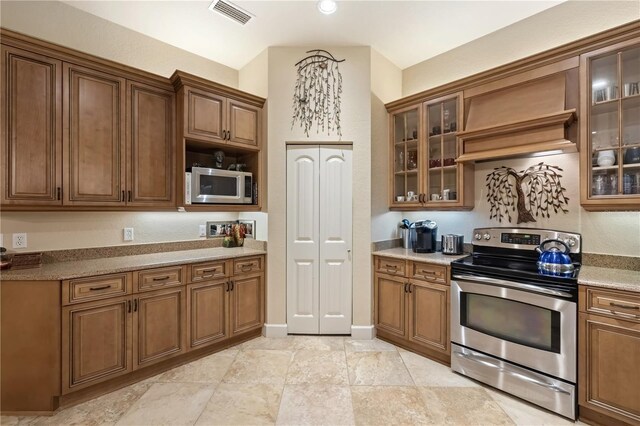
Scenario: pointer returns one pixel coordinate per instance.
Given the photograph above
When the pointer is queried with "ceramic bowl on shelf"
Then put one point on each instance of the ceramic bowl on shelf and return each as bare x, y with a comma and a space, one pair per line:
606, 158
632, 155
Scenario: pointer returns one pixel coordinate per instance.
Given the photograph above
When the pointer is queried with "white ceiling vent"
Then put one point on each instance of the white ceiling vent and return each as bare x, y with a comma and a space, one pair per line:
231, 11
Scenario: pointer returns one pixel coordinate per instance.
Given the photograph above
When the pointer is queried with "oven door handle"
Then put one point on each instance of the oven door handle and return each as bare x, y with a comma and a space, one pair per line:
506, 283
520, 373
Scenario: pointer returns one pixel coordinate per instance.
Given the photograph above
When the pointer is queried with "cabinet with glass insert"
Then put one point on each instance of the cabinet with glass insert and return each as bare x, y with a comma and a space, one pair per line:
405, 166
444, 176
610, 158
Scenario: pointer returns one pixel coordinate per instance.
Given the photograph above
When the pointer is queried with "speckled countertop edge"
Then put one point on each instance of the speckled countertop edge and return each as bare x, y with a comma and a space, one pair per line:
437, 258
618, 279
85, 268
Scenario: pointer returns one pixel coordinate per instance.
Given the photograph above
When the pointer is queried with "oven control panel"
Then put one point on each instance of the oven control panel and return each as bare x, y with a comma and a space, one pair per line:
524, 238
518, 238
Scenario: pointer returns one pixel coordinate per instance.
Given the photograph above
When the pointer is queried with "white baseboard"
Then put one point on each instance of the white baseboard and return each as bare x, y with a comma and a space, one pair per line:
274, 330
363, 332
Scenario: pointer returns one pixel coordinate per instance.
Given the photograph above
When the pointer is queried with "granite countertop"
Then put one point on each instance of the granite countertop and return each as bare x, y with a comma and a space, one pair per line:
617, 279
437, 258
109, 265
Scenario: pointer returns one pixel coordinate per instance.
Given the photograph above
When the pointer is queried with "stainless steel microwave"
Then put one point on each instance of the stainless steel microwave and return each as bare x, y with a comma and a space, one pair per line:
217, 186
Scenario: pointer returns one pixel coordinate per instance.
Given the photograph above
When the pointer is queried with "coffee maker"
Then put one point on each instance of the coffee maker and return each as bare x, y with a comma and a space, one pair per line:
423, 236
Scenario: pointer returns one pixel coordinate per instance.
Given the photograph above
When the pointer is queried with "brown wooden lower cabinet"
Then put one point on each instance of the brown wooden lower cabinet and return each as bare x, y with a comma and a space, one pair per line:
95, 344
411, 312
609, 357
429, 315
158, 326
207, 308
246, 303
223, 308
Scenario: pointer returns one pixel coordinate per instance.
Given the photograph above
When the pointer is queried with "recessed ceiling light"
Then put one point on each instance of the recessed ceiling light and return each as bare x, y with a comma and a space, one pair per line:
327, 6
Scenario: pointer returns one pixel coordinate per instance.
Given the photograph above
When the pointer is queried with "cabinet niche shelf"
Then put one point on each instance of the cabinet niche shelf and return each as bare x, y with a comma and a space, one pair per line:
212, 117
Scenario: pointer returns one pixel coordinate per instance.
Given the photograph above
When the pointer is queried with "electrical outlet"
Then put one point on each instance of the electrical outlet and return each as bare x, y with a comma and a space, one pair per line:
128, 234
203, 230
20, 240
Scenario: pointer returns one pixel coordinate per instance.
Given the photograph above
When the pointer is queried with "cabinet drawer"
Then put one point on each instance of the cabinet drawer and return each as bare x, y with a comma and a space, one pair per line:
389, 265
247, 265
208, 271
428, 272
155, 279
610, 302
95, 288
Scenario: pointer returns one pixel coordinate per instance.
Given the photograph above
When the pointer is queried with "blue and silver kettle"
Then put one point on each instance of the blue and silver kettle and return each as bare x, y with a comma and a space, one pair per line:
554, 261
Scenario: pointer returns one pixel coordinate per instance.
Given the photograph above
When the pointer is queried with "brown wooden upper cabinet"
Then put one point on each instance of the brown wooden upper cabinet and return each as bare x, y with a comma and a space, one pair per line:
94, 137
150, 145
31, 87
610, 134
215, 113
83, 134
424, 170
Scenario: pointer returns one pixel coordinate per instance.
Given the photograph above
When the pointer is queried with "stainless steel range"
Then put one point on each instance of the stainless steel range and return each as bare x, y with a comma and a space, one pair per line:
511, 326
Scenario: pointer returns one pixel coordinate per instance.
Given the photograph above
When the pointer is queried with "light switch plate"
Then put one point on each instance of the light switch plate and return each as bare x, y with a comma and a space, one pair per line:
19, 240
202, 230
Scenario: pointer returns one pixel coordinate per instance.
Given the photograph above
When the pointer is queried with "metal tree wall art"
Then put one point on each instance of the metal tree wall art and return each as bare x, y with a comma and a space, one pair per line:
316, 97
534, 192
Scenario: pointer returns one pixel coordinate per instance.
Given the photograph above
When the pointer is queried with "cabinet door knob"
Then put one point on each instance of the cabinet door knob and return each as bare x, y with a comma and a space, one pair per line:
129, 305
135, 305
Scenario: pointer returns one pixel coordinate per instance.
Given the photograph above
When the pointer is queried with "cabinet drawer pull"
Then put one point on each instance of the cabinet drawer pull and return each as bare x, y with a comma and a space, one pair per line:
122, 199
245, 268
207, 276
410, 288
58, 193
135, 305
130, 197
104, 287
129, 305
166, 277
423, 272
209, 270
620, 305
232, 283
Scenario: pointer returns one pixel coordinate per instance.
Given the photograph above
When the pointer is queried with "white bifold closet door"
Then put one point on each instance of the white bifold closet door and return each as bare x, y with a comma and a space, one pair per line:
319, 222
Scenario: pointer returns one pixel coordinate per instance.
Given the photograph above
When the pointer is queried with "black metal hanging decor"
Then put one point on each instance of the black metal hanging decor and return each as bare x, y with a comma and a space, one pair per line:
316, 97
533, 192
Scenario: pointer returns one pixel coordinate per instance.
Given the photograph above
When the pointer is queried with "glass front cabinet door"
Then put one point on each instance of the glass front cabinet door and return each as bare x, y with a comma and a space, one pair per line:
405, 164
424, 170
610, 158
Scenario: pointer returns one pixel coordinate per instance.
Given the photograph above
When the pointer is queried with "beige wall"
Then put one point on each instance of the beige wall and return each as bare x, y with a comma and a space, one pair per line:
386, 86
65, 25
356, 128
553, 27
67, 230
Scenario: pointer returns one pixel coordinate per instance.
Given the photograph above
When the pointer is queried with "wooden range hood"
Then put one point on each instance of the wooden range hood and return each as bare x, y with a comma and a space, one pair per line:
520, 120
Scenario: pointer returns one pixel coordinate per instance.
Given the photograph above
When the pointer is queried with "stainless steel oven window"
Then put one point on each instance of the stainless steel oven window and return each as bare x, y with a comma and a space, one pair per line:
517, 322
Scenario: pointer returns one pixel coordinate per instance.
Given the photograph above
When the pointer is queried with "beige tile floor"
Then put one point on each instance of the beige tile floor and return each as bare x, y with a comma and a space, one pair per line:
302, 380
